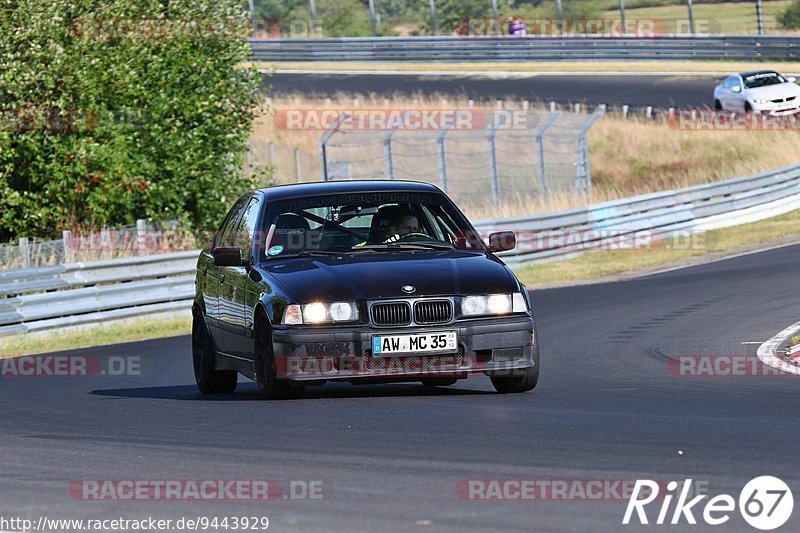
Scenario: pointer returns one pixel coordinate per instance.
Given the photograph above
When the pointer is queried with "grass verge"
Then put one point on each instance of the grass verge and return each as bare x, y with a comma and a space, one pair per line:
618, 263
728, 18
114, 333
612, 67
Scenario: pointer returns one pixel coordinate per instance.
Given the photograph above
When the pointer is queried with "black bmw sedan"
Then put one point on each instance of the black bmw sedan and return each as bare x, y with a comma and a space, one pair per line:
362, 281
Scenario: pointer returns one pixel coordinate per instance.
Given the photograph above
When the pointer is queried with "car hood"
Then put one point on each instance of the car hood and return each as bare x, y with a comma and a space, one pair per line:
773, 92
367, 276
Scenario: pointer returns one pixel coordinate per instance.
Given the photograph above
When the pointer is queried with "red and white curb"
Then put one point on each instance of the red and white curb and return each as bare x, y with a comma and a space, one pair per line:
767, 352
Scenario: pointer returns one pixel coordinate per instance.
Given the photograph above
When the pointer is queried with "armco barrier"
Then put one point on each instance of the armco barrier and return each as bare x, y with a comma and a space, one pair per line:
84, 293
575, 48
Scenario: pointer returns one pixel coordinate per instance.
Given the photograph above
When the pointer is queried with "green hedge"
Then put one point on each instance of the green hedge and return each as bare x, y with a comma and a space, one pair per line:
109, 115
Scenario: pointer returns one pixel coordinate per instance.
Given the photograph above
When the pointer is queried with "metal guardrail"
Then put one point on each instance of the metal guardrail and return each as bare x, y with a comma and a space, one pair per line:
698, 208
575, 48
84, 293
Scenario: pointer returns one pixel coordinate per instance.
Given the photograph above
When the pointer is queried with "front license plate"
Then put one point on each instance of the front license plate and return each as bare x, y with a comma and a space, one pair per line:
441, 341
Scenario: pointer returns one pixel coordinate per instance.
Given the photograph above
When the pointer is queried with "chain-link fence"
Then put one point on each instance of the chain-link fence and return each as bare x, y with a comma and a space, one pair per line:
288, 165
500, 157
111, 243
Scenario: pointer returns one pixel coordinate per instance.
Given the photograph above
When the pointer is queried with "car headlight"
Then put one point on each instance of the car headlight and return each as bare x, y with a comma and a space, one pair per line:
320, 312
760, 101
493, 304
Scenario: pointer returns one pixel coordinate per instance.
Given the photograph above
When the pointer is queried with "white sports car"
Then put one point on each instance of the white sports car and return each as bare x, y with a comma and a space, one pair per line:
762, 91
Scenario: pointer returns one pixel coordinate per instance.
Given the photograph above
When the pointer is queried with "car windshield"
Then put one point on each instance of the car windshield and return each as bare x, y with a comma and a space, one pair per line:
763, 79
364, 223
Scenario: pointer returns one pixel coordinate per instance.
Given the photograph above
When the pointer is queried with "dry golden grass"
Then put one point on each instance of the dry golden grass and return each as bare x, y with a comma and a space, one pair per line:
133, 330
627, 156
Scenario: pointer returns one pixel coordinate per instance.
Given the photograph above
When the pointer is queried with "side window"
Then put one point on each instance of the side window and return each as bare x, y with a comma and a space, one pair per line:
225, 236
247, 227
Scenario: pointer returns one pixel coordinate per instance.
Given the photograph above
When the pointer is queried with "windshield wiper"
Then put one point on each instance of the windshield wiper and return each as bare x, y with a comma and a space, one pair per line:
305, 253
405, 246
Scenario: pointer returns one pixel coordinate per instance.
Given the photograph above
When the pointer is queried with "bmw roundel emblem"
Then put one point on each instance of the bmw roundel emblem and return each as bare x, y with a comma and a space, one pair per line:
408, 289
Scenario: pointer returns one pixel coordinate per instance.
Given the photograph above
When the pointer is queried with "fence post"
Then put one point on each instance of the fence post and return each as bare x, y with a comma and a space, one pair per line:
313, 8
25, 252
272, 155
493, 164
622, 16
141, 237
496, 16
691, 16
760, 17
433, 17
252, 7
372, 17
297, 174
583, 176
66, 238
560, 11
323, 148
442, 159
387, 155
539, 133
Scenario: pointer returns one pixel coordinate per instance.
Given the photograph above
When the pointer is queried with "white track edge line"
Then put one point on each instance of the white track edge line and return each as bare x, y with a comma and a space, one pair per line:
767, 351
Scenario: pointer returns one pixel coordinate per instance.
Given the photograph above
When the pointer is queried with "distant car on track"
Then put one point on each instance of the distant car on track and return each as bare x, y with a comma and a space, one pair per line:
361, 281
762, 91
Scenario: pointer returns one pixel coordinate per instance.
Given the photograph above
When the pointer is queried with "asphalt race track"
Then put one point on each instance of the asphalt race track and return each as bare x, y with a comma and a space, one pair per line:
634, 90
390, 456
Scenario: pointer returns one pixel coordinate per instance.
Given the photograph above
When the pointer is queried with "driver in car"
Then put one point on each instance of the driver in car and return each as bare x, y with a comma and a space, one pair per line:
401, 226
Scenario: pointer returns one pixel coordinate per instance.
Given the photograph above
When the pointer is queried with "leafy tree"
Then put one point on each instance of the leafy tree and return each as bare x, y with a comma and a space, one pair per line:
454, 14
789, 19
105, 121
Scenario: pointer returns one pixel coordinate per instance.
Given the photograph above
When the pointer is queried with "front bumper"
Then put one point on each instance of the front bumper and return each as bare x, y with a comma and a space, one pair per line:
777, 110
493, 346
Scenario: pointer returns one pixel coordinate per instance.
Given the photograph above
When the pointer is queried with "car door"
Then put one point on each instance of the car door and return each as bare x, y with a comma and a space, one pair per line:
726, 94
244, 290
221, 277
737, 98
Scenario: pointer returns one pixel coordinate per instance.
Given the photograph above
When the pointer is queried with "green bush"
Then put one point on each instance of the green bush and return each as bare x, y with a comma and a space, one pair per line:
790, 18
151, 126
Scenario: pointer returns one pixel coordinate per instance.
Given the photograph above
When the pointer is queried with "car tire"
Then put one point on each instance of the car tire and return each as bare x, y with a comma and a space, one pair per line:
209, 380
717, 105
269, 386
521, 381
439, 382
748, 108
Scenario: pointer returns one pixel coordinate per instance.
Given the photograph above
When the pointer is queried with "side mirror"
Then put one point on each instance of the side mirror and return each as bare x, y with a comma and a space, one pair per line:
502, 241
227, 257
736, 88
791, 79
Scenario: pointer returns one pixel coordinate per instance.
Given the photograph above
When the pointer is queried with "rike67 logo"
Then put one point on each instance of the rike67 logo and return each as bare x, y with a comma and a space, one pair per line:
765, 503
